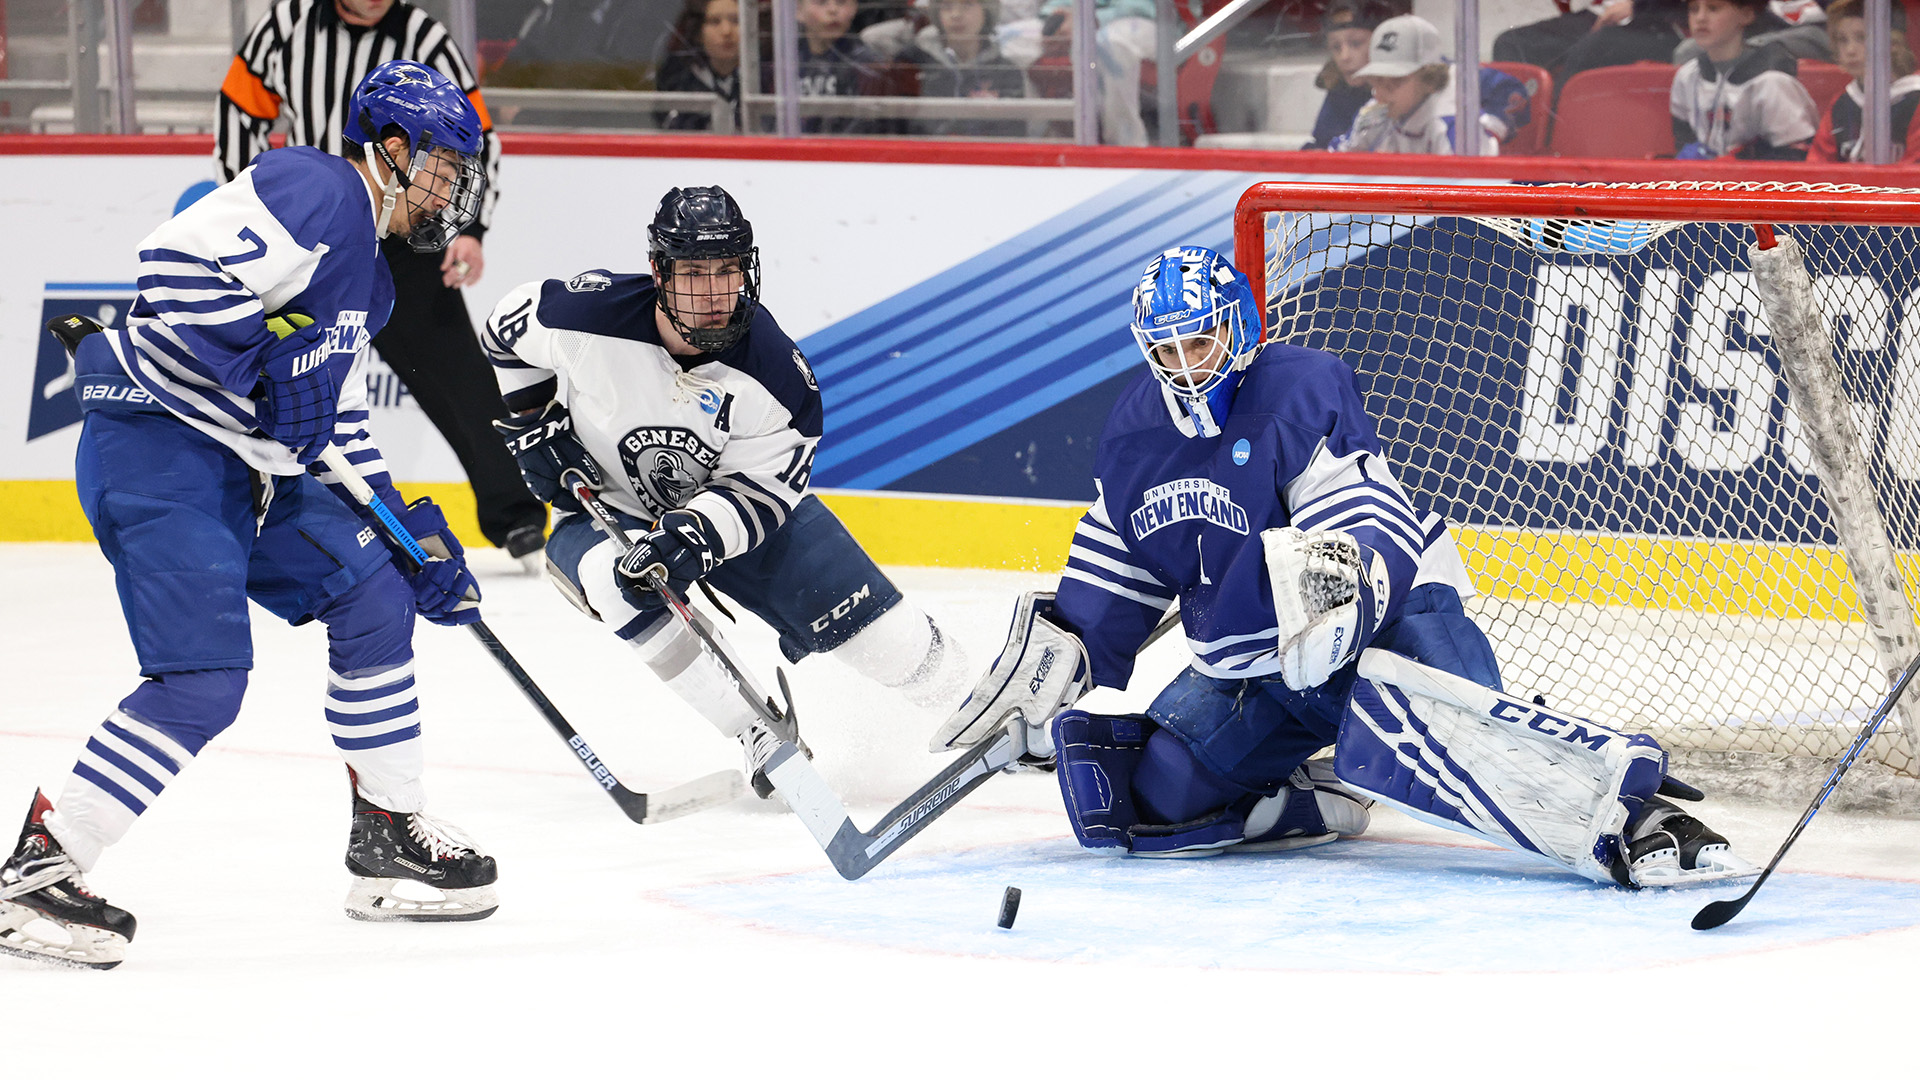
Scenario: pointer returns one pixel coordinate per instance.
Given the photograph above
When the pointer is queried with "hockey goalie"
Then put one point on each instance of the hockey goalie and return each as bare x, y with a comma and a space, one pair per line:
1248, 483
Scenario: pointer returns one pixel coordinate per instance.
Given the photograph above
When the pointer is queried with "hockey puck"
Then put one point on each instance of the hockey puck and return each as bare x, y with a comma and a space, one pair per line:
1009, 907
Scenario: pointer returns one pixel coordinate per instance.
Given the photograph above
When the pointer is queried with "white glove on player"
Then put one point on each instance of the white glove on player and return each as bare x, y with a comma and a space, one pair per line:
1326, 606
1042, 670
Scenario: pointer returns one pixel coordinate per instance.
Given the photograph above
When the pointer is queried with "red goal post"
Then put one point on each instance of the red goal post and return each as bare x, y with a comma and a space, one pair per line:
1633, 405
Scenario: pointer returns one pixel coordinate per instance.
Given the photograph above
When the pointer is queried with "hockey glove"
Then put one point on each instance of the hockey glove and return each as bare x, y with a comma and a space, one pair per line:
681, 548
299, 388
545, 446
1330, 594
1694, 151
444, 590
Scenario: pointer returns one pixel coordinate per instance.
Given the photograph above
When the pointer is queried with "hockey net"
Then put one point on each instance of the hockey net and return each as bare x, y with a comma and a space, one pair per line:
1585, 380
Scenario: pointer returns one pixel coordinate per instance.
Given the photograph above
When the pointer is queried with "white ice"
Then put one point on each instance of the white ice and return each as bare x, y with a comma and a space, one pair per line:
722, 943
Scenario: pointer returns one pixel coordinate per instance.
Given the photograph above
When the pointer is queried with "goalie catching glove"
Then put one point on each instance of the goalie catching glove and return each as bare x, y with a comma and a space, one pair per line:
1330, 594
1042, 670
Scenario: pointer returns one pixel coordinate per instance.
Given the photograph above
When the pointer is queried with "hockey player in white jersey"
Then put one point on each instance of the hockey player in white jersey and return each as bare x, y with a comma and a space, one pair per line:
205, 415
1322, 609
696, 416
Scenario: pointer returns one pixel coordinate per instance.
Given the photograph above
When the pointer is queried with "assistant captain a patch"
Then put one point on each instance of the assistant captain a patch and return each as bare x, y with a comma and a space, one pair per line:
1184, 500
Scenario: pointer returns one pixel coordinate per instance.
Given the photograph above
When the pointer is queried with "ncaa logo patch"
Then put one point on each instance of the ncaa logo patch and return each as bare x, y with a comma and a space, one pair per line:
1242, 452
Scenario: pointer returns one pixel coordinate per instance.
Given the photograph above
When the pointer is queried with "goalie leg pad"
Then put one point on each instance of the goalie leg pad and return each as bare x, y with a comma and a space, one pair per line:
1456, 754
1096, 758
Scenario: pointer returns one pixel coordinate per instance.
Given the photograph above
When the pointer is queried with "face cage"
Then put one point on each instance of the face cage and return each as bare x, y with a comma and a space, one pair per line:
715, 338
1195, 344
466, 185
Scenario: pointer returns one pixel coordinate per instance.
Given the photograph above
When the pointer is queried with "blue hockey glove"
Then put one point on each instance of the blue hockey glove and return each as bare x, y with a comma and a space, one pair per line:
544, 445
444, 590
1330, 596
300, 387
682, 548
1694, 151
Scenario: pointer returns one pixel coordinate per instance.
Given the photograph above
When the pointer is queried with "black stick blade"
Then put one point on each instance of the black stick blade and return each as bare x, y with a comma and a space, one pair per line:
1720, 912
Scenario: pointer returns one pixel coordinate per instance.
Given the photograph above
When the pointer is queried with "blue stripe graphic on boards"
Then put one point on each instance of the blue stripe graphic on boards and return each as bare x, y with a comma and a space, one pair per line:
1007, 334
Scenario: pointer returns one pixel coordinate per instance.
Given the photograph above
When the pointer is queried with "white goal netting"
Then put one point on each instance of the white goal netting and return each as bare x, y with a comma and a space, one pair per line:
1599, 408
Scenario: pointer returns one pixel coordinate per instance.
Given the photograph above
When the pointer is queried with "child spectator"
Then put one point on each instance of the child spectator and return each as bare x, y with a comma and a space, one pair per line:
1348, 26
957, 58
835, 63
704, 57
1800, 26
1842, 134
1412, 107
1734, 101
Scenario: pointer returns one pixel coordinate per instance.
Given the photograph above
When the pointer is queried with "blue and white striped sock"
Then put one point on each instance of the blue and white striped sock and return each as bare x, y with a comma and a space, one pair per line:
125, 765
373, 716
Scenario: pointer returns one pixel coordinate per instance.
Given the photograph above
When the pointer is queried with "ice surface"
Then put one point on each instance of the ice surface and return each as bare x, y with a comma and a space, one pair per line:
722, 945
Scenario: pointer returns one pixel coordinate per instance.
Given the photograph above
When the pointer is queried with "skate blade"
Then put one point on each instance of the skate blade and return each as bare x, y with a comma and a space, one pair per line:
31, 935
1287, 843
1711, 865
403, 900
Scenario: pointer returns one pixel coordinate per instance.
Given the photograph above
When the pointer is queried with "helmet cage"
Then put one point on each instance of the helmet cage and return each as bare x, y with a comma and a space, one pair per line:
746, 300
432, 171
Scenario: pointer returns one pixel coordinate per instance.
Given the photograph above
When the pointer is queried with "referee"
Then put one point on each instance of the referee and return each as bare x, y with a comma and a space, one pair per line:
301, 62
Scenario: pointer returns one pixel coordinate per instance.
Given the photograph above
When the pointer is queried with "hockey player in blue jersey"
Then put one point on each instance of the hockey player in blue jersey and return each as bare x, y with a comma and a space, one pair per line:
1246, 482
205, 415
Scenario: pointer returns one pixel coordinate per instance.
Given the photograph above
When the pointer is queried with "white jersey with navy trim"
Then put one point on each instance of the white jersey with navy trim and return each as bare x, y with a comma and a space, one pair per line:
1182, 517
728, 434
293, 233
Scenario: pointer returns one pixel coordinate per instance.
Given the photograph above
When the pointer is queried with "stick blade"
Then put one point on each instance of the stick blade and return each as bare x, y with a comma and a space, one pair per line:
714, 789
1719, 913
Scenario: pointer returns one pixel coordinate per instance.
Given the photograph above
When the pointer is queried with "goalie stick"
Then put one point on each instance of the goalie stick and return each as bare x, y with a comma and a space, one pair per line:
642, 807
852, 851
1720, 912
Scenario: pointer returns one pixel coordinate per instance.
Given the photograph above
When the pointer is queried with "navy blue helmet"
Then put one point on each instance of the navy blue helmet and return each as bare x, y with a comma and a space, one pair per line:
711, 304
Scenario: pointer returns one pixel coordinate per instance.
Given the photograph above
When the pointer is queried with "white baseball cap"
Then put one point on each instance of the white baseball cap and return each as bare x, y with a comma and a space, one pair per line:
1401, 46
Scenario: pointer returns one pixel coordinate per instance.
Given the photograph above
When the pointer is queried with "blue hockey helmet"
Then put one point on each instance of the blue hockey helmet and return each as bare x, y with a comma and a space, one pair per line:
1195, 318
444, 182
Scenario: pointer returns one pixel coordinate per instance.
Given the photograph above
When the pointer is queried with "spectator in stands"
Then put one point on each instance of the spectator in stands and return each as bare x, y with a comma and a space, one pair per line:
1412, 107
1348, 26
1605, 34
1737, 101
835, 63
1800, 26
957, 58
1125, 39
1842, 134
703, 57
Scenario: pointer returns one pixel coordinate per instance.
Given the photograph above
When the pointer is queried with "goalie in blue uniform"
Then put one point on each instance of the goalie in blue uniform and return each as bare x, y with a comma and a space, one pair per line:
200, 469
1246, 482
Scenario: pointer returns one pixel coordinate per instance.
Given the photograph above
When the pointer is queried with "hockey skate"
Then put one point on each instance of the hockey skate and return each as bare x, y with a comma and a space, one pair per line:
763, 736
1666, 846
1312, 809
46, 912
414, 868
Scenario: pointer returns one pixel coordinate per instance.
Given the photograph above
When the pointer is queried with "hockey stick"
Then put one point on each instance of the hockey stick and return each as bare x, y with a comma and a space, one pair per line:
1720, 912
643, 808
852, 851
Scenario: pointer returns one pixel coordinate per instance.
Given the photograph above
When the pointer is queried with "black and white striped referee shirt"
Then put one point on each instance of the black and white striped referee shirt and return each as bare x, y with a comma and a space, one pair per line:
302, 62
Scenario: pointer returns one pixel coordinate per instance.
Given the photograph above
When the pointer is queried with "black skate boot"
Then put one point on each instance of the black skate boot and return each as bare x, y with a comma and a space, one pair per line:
414, 868
41, 887
1666, 846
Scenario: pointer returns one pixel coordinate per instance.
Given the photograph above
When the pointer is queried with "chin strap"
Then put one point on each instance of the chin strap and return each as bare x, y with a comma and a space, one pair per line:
390, 187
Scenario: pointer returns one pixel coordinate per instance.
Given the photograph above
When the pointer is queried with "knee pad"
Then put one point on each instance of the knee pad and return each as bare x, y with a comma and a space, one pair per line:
189, 707
371, 624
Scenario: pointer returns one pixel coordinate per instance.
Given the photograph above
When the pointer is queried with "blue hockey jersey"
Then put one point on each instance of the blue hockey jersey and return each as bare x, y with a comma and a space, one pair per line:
1181, 517
293, 233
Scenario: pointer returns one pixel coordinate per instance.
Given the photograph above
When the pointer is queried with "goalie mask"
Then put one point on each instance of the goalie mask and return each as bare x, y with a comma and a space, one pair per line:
707, 269
1194, 317
443, 182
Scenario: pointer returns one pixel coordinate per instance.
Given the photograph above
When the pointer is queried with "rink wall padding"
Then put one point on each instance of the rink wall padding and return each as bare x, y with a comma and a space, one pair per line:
965, 308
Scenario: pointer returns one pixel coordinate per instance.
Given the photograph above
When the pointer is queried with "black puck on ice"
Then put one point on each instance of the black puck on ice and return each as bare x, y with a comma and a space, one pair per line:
1009, 907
